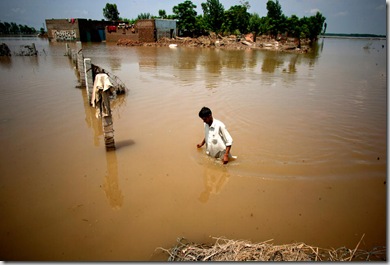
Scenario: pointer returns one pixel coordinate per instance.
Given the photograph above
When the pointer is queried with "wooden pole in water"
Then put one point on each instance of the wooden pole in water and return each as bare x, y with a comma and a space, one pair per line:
74, 57
108, 126
68, 50
88, 78
34, 49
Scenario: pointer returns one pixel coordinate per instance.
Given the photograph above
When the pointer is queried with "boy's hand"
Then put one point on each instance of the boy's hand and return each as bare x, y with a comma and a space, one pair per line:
225, 158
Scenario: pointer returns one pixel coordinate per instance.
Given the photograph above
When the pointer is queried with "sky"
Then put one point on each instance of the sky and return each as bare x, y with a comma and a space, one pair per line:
342, 16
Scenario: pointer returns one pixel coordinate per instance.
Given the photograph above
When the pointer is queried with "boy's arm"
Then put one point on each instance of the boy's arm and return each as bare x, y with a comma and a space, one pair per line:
201, 144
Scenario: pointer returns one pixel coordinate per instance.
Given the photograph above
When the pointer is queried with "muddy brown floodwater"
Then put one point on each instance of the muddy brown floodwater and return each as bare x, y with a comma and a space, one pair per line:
309, 130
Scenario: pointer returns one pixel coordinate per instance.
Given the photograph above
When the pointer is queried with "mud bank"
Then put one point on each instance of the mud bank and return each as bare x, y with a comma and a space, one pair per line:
230, 42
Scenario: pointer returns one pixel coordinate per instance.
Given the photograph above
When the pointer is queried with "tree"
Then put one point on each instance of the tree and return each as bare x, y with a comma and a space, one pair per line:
186, 15
110, 12
14, 29
276, 19
315, 26
236, 18
213, 14
294, 28
201, 26
255, 23
3, 28
245, 3
144, 16
162, 13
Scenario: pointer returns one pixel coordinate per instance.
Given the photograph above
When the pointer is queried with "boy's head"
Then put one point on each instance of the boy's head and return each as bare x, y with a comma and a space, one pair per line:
204, 112
206, 115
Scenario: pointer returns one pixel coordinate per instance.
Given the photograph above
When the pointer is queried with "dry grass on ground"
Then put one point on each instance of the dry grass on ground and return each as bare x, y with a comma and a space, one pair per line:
232, 250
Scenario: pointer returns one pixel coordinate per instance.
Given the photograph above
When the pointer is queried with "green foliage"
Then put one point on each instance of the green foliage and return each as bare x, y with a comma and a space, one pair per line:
254, 23
236, 20
294, 27
276, 20
162, 13
306, 27
245, 3
315, 26
144, 16
110, 12
13, 28
126, 20
213, 12
186, 15
201, 26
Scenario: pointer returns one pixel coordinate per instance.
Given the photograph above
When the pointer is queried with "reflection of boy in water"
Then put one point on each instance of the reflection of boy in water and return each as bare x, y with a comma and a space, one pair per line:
217, 139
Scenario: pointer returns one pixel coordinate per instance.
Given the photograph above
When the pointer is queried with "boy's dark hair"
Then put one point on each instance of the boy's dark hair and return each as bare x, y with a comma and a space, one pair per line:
204, 112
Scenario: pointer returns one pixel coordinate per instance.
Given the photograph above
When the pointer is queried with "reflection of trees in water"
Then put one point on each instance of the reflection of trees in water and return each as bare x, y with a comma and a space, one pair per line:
292, 69
185, 58
215, 60
272, 61
313, 55
239, 59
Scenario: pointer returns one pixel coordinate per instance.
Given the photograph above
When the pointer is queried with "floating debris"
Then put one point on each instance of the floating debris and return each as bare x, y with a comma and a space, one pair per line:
232, 250
4, 50
27, 50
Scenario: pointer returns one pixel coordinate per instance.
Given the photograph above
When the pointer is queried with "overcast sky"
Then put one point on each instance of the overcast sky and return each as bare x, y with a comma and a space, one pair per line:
342, 16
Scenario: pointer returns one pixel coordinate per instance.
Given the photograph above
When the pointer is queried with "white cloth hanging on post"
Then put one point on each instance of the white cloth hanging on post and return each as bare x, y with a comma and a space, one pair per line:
101, 82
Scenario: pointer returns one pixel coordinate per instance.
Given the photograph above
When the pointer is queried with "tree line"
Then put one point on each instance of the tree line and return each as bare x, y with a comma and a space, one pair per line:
235, 20
12, 28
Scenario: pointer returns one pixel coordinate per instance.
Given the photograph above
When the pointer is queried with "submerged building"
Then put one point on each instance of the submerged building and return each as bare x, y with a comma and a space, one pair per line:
144, 30
76, 29
86, 30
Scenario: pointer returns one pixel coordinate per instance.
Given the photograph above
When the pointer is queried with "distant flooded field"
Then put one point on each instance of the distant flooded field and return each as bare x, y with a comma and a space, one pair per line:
309, 130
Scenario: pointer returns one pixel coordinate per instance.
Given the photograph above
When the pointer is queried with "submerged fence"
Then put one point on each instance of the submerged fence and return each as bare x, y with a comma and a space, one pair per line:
87, 73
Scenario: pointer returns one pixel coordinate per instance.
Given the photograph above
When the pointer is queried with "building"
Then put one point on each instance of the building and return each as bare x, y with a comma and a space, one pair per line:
144, 30
87, 30
76, 29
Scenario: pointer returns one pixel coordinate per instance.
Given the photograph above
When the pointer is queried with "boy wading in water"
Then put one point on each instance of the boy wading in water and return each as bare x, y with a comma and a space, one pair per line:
216, 137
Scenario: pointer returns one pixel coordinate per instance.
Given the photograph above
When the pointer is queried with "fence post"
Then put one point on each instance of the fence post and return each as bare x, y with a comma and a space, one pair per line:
108, 126
88, 78
34, 49
80, 62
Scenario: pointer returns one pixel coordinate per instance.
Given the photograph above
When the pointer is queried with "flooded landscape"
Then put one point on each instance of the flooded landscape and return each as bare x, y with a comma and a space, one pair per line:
309, 130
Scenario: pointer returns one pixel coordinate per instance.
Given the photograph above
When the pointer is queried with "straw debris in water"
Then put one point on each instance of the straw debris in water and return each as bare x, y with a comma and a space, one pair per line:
236, 250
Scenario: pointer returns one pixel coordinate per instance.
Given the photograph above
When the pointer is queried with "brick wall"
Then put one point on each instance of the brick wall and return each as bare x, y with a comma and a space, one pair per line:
146, 30
63, 29
77, 29
121, 34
